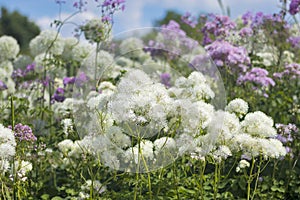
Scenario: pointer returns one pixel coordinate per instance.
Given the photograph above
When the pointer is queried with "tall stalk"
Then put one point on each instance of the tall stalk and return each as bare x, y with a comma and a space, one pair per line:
250, 179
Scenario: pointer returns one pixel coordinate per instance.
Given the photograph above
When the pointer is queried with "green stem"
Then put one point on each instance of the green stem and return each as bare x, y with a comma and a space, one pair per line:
175, 181
250, 179
202, 179
257, 177
216, 180
13, 126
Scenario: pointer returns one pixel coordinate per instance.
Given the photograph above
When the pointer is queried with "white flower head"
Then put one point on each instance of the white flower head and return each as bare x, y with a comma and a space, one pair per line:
258, 124
47, 41
132, 48
242, 164
9, 48
237, 106
7, 142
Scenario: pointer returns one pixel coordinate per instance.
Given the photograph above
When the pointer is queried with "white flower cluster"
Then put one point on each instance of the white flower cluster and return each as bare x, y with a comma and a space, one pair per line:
258, 124
133, 48
253, 136
7, 143
6, 69
70, 148
97, 31
139, 101
23, 167
237, 106
68, 126
85, 189
9, 48
194, 88
74, 50
140, 120
242, 164
47, 41
98, 63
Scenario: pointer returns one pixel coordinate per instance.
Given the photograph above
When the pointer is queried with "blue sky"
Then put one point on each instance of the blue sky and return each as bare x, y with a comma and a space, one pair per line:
138, 13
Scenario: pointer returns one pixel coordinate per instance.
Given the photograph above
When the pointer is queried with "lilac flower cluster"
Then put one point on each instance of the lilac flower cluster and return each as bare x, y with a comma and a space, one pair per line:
109, 7
68, 80
246, 32
165, 79
294, 41
173, 39
23, 133
285, 135
81, 79
173, 32
285, 132
19, 73
260, 19
293, 70
219, 26
225, 54
61, 93
80, 5
3, 86
294, 7
257, 75
45, 81
190, 20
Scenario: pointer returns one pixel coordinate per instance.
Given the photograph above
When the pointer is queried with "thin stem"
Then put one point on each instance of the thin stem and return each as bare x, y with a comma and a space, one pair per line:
148, 175
202, 179
13, 126
216, 180
96, 57
250, 179
175, 181
257, 176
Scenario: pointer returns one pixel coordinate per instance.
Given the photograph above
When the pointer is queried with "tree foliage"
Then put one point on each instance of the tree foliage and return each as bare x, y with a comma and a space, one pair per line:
18, 26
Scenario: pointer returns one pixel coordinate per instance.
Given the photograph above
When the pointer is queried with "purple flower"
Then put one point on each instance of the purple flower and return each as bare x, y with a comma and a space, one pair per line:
46, 81
294, 7
68, 80
281, 139
24, 133
294, 41
257, 75
246, 32
219, 26
247, 17
81, 79
286, 129
59, 95
3, 86
106, 18
174, 40
223, 53
291, 70
188, 19
18, 73
79, 4
30, 68
109, 7
165, 79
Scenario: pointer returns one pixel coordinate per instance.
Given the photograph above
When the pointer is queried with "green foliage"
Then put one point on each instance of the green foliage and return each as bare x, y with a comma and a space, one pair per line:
18, 26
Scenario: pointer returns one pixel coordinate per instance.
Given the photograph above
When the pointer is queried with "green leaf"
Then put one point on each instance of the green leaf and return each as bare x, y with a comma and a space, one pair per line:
57, 198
